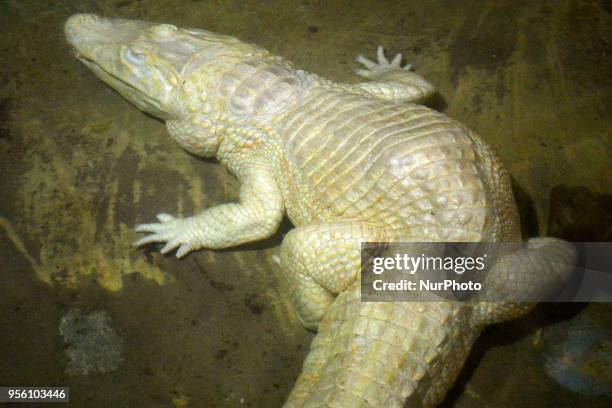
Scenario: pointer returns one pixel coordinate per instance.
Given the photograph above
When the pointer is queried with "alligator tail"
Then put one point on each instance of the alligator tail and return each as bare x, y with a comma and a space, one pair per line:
384, 354
408, 354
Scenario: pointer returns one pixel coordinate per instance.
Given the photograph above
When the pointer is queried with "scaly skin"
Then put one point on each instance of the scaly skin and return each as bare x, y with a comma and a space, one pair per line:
347, 164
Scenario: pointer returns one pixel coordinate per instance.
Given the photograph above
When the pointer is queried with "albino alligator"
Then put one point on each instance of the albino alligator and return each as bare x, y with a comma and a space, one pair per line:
348, 163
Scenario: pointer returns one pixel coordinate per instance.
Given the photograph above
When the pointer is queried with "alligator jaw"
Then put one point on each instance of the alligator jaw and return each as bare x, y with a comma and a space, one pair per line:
125, 55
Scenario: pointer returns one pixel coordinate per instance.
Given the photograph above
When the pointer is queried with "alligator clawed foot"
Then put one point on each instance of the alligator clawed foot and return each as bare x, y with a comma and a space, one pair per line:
374, 70
175, 232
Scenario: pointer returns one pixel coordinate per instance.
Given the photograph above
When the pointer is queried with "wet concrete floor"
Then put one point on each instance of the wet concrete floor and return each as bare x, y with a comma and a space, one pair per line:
80, 167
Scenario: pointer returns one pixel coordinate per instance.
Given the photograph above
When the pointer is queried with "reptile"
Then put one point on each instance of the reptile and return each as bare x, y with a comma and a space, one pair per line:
347, 164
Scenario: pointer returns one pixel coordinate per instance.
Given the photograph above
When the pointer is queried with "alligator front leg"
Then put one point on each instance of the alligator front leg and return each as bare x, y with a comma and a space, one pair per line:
256, 217
392, 82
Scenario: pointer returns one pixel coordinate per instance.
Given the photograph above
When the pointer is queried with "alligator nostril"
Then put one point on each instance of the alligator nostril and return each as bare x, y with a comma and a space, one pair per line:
163, 30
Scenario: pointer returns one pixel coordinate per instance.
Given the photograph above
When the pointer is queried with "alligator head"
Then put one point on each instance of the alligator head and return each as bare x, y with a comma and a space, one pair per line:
145, 62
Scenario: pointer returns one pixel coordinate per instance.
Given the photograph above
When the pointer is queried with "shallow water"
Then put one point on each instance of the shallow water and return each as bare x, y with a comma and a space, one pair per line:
80, 167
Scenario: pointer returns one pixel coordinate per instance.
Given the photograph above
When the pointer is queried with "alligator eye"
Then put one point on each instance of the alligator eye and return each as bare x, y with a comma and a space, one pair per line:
138, 49
163, 30
134, 54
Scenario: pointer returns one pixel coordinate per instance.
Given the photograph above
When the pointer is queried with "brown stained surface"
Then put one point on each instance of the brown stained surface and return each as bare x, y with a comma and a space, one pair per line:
80, 166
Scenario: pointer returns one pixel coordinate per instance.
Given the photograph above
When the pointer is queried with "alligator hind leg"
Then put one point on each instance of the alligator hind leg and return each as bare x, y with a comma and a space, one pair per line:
321, 260
390, 81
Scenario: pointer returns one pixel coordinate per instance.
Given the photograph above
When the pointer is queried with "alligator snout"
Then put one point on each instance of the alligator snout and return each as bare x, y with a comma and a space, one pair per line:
80, 27
86, 31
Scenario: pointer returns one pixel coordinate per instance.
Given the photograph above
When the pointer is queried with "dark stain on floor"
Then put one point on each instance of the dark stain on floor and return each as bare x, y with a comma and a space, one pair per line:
580, 215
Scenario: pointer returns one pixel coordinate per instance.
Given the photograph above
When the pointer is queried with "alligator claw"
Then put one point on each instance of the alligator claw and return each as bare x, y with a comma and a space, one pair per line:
374, 70
174, 232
